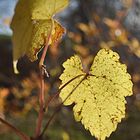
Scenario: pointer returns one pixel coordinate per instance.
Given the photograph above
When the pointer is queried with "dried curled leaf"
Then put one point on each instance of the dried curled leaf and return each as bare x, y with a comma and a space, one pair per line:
100, 98
33, 23
40, 32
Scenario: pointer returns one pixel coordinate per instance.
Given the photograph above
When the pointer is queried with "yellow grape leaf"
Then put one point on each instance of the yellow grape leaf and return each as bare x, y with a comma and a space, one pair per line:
45, 9
33, 23
99, 100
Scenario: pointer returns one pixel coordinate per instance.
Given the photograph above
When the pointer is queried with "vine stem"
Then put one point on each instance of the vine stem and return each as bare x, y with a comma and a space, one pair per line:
13, 128
59, 107
43, 72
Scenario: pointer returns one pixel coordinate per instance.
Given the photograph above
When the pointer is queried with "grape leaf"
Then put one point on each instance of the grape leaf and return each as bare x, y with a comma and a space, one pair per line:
33, 23
45, 9
40, 32
99, 101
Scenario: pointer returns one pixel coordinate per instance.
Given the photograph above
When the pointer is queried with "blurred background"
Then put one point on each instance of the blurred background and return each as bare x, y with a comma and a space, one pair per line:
91, 25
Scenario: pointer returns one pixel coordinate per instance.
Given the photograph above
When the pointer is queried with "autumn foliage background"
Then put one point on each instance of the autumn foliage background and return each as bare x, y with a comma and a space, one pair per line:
91, 25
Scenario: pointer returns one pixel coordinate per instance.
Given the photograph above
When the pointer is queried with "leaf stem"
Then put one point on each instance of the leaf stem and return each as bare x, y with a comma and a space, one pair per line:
18, 132
41, 63
59, 107
56, 95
